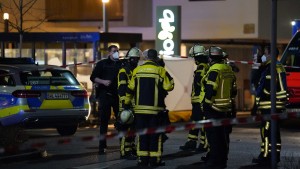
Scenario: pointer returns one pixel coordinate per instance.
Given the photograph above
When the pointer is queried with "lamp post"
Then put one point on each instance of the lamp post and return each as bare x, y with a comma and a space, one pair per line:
105, 23
6, 18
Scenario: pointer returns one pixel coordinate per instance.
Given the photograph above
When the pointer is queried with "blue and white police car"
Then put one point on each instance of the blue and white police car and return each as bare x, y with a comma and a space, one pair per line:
41, 96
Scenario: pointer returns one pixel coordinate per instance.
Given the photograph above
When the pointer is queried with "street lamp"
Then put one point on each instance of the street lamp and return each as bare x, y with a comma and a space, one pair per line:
6, 18
105, 23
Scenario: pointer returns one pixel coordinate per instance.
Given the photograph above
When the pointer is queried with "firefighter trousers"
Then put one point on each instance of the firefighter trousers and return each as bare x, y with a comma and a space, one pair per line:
149, 146
218, 138
265, 132
197, 114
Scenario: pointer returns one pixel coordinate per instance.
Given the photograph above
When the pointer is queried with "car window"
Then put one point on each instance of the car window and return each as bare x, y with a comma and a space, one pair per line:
291, 55
6, 79
48, 77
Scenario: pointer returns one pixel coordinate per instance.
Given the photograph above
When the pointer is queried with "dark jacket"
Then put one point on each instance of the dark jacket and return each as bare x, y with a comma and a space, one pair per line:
107, 69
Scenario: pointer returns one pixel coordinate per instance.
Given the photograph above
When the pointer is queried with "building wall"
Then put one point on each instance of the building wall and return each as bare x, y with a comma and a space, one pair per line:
229, 19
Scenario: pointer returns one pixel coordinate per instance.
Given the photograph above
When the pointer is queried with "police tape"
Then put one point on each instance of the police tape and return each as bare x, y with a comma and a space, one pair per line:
229, 61
244, 62
258, 64
77, 64
36, 144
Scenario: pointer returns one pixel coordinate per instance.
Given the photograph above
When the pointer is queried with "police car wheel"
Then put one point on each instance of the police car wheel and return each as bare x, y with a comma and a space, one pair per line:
67, 130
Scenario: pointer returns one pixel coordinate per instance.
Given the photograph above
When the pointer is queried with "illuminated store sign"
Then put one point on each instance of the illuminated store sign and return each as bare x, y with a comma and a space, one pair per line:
168, 29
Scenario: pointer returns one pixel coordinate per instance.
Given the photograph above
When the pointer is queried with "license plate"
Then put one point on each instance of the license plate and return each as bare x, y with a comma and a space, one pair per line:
57, 96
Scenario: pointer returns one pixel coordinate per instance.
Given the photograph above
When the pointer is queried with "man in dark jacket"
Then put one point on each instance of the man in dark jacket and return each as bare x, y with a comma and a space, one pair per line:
104, 77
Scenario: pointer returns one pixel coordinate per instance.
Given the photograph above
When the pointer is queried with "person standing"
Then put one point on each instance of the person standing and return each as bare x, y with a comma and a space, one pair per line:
148, 87
218, 89
255, 76
263, 97
201, 60
104, 77
127, 143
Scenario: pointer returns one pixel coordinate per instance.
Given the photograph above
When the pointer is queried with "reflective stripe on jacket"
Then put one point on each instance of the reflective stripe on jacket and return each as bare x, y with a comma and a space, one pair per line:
263, 92
149, 86
124, 76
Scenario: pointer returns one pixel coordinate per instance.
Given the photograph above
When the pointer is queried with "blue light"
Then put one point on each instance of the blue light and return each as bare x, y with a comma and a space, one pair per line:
295, 26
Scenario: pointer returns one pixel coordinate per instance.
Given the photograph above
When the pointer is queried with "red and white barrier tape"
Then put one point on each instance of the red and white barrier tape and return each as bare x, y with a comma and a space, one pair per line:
230, 61
290, 114
80, 63
258, 64
244, 62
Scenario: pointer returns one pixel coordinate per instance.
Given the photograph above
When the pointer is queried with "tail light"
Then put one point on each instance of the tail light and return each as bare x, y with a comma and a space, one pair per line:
26, 93
81, 93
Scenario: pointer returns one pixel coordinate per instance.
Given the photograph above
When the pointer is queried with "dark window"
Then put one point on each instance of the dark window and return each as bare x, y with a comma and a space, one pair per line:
291, 55
6, 79
48, 77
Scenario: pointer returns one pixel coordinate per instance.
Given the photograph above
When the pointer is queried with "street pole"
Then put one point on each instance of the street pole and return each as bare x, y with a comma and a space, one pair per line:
105, 23
6, 30
274, 122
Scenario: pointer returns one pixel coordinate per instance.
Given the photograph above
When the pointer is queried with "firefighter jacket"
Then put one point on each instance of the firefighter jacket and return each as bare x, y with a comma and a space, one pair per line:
124, 76
148, 86
196, 88
263, 92
219, 87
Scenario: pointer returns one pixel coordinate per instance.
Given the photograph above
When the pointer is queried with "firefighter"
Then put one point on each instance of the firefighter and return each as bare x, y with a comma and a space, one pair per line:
263, 97
104, 77
217, 90
201, 60
147, 86
127, 143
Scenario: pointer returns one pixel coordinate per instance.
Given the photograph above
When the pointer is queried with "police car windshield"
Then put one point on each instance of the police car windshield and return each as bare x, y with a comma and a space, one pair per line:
48, 77
291, 55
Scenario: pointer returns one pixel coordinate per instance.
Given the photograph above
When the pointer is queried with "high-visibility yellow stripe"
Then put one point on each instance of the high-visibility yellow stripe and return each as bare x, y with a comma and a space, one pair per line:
12, 110
266, 148
122, 146
56, 104
192, 137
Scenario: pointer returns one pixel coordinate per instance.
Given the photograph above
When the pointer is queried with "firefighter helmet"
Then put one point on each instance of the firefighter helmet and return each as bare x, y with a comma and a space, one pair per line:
216, 53
150, 54
126, 117
197, 50
133, 52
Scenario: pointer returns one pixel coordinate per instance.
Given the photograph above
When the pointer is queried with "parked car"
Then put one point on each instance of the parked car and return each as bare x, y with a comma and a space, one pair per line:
41, 96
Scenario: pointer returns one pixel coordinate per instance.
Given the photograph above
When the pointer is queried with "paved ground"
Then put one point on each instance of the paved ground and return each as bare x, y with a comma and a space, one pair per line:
245, 144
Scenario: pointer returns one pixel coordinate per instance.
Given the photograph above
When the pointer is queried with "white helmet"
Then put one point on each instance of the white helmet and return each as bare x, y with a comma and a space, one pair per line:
126, 117
133, 52
197, 50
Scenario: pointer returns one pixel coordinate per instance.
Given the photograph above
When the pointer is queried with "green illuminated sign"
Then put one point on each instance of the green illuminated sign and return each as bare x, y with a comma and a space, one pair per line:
168, 30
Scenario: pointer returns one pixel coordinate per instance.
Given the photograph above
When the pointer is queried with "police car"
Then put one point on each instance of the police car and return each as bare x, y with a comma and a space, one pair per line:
41, 96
